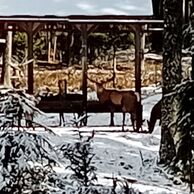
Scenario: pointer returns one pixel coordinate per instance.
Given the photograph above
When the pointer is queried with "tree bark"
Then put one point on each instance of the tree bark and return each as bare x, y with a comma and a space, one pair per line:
172, 43
156, 37
8, 55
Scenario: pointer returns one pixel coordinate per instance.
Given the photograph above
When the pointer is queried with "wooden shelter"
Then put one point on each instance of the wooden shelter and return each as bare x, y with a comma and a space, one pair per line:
31, 16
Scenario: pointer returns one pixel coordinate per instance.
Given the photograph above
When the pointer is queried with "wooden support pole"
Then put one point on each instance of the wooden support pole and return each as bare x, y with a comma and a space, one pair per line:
30, 56
84, 68
138, 62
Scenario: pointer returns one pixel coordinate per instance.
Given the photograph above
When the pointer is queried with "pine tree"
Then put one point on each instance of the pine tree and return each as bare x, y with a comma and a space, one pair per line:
26, 159
26, 162
80, 156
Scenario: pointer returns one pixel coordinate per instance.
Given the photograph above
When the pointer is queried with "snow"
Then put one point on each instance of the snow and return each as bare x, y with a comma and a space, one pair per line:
122, 154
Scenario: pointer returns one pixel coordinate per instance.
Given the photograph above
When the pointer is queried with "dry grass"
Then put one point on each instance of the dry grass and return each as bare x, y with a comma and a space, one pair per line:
125, 79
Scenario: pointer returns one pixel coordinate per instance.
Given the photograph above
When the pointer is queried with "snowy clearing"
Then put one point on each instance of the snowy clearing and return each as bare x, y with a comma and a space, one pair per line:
122, 154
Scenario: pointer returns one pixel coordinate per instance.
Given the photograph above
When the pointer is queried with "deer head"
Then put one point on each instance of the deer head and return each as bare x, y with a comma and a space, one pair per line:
100, 83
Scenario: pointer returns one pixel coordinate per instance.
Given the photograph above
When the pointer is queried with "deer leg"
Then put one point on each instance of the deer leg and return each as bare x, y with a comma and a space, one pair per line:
61, 119
83, 122
123, 121
76, 118
112, 118
112, 109
133, 121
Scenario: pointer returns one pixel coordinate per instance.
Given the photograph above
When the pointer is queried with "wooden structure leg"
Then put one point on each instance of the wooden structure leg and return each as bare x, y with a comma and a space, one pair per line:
84, 69
30, 65
138, 62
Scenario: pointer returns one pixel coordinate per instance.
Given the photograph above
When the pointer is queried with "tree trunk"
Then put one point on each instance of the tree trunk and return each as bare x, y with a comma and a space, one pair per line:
8, 55
172, 43
49, 46
156, 37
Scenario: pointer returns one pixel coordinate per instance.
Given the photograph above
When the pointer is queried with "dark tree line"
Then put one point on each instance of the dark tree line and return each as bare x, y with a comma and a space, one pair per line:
101, 43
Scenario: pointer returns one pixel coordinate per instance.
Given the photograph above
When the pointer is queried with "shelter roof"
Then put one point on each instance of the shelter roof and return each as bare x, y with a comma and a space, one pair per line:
76, 7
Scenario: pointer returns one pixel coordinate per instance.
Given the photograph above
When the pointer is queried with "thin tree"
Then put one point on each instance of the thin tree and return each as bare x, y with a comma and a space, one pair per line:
8, 55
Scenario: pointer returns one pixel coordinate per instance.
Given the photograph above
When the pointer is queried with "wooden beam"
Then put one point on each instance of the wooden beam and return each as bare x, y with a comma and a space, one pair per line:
30, 56
84, 67
30, 28
138, 62
55, 47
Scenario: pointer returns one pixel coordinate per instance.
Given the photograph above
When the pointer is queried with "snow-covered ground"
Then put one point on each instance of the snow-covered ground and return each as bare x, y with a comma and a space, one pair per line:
123, 154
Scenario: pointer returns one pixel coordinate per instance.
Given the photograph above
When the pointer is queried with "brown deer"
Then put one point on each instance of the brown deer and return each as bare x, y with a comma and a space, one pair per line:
154, 116
127, 100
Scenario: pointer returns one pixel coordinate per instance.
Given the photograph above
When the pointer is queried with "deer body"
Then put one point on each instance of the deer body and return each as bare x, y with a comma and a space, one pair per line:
126, 99
71, 97
154, 116
62, 97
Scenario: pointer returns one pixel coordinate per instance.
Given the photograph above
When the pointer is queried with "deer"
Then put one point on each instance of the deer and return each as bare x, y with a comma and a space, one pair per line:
62, 97
154, 116
127, 100
50, 98
70, 97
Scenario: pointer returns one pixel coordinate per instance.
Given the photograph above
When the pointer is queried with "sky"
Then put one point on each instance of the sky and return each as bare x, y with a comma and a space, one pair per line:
75, 7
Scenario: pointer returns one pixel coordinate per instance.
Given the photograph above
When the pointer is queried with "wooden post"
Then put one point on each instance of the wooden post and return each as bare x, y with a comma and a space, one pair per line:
84, 68
30, 28
30, 56
138, 62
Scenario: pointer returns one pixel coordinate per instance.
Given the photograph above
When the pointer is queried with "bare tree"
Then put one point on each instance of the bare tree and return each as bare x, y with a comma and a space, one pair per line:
8, 55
